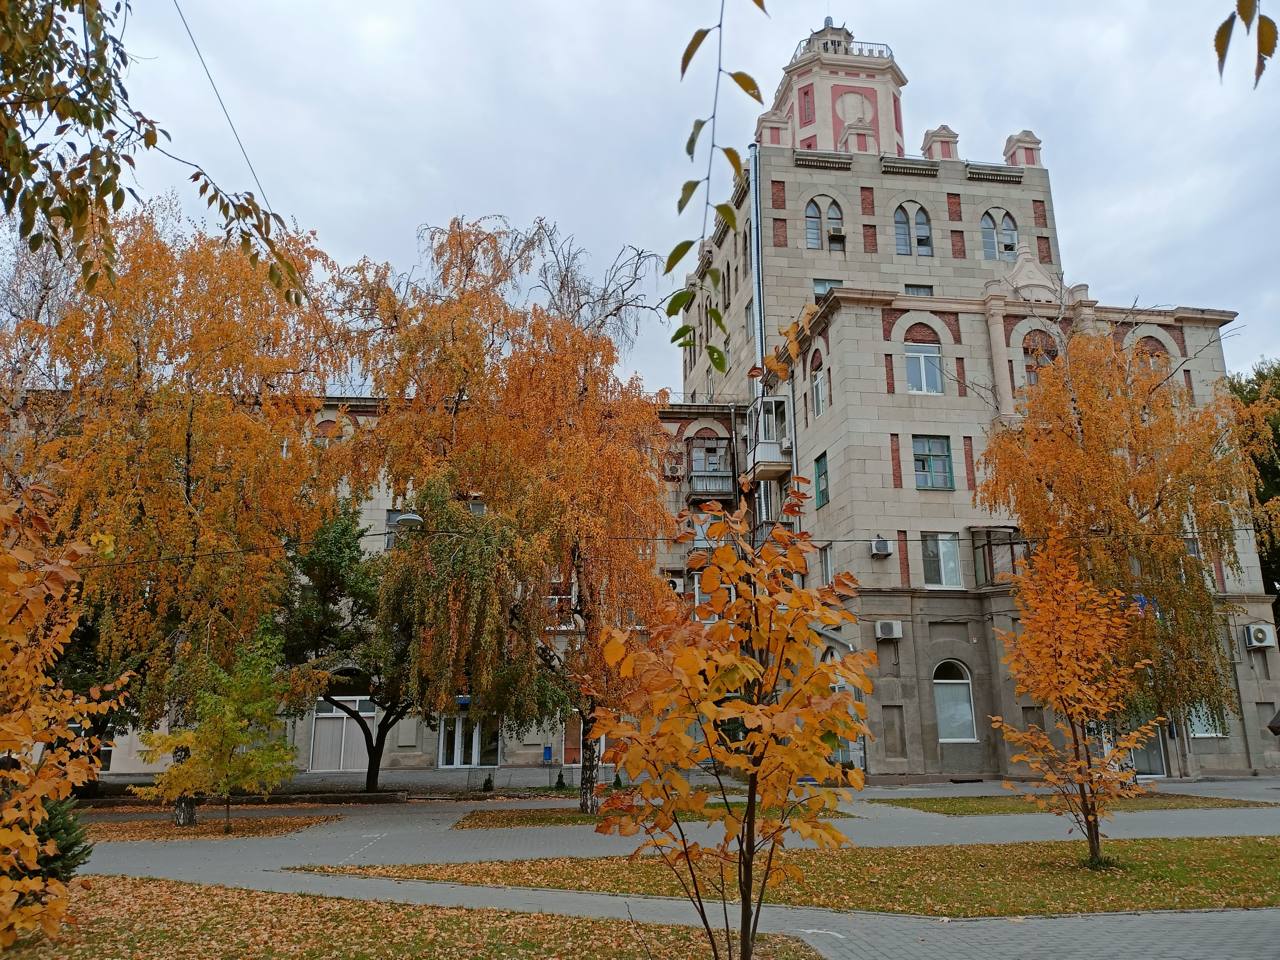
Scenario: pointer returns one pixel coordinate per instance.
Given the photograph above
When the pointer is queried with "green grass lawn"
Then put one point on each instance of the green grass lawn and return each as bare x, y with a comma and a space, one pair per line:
124, 918
1010, 803
977, 880
559, 817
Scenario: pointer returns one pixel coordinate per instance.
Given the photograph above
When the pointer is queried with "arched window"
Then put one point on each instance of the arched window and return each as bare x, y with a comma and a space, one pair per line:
813, 226
1039, 349
989, 248
924, 234
818, 382
953, 700
1008, 238
902, 231
1150, 351
835, 227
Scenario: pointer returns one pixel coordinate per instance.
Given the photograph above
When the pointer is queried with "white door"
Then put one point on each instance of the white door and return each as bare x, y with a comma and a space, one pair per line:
464, 743
337, 742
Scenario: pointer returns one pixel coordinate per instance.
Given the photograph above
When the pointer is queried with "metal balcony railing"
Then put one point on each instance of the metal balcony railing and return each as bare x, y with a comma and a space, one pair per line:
843, 48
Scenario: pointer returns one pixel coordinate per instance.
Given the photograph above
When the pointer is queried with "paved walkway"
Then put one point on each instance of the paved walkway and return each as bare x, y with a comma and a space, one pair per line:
419, 832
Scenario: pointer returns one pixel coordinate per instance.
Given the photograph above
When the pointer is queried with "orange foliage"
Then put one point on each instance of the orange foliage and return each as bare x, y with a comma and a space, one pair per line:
747, 692
1070, 657
41, 724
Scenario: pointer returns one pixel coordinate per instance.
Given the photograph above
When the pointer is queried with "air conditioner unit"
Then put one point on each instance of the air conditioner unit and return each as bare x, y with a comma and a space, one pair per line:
1258, 635
888, 629
881, 547
676, 584
785, 444
836, 232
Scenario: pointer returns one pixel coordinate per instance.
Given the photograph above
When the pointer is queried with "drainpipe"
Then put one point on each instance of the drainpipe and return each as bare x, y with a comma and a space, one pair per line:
753, 154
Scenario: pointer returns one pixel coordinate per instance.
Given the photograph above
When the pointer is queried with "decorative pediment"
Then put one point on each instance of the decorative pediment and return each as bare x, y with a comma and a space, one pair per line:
1029, 280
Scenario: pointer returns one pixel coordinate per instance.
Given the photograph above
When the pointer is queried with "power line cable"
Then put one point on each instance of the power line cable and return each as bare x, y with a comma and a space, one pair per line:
234, 132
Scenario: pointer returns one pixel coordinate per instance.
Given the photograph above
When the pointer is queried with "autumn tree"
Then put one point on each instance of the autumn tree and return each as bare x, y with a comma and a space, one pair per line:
1070, 655
581, 447
748, 691
1112, 454
1262, 386
459, 596
42, 725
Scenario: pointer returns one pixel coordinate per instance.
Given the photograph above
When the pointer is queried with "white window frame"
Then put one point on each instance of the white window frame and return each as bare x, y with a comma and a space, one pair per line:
919, 356
460, 719
954, 540
352, 701
826, 570
1203, 726
820, 391
967, 683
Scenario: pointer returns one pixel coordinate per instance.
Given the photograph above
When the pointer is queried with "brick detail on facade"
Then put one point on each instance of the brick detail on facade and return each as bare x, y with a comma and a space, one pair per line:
888, 373
1186, 378
1043, 250
970, 473
868, 201
921, 333
1178, 337
1219, 575
888, 317
952, 322
904, 561
957, 244
895, 457
1038, 214
869, 243
962, 384
779, 232
953, 207
778, 194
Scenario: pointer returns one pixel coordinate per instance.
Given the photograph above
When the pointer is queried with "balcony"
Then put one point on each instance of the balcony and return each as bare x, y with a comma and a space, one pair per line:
710, 485
842, 48
769, 460
761, 531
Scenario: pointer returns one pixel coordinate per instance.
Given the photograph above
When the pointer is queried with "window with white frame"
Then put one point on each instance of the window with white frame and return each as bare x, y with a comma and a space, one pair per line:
1008, 238
924, 368
1203, 724
835, 228
813, 226
902, 232
818, 383
924, 234
990, 248
941, 555
953, 701
825, 569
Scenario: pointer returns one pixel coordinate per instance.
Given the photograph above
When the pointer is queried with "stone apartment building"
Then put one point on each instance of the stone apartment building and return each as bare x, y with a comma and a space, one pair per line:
936, 282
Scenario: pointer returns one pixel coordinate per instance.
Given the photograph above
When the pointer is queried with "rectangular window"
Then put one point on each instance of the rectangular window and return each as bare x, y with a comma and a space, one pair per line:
941, 552
933, 463
919, 290
1202, 724
820, 389
924, 368
820, 287
822, 493
751, 321
954, 702
825, 569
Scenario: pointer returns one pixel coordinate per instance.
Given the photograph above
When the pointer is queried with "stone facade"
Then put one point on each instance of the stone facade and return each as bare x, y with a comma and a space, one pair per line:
912, 268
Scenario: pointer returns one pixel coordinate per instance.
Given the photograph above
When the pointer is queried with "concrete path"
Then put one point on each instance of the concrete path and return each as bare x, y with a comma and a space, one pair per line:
420, 832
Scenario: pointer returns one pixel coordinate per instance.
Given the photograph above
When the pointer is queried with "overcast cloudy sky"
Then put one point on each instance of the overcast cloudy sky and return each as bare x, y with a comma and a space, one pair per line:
367, 120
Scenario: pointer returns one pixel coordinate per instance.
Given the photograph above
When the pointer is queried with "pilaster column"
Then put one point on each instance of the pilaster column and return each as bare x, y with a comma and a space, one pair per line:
999, 356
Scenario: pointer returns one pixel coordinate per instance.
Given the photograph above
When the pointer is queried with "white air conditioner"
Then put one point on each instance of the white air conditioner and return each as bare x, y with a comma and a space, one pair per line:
785, 444
888, 629
881, 547
676, 584
1258, 635
835, 232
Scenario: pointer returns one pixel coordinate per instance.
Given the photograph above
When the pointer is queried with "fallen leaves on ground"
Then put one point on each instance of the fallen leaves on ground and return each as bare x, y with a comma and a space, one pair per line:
125, 918
984, 806
974, 880
558, 817
211, 828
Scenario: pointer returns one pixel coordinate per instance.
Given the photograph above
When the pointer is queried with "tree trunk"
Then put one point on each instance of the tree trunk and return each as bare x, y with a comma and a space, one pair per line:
588, 802
226, 823
184, 807
377, 746
746, 873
